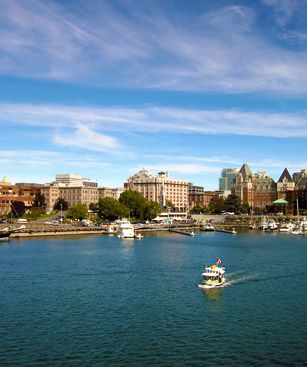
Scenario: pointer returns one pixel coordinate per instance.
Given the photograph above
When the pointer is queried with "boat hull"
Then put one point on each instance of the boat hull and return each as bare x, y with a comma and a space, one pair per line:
207, 286
5, 236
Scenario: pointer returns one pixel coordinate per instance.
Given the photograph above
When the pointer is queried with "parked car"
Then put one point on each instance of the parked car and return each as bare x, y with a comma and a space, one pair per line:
3, 220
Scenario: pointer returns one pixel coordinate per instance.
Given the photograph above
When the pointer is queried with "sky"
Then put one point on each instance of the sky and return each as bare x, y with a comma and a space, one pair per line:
106, 88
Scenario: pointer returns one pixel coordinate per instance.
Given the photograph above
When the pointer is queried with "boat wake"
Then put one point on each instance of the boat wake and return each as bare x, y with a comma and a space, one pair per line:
242, 279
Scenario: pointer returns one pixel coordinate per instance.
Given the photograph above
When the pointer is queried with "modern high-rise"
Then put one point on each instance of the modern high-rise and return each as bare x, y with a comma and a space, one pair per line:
161, 189
227, 179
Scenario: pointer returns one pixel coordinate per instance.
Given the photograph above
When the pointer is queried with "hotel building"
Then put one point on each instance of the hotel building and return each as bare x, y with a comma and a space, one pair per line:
161, 189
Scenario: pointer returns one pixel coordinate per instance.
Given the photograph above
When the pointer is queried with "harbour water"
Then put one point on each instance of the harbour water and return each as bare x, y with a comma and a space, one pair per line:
101, 301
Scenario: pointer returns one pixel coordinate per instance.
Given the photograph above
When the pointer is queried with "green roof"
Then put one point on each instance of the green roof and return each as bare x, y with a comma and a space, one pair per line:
280, 202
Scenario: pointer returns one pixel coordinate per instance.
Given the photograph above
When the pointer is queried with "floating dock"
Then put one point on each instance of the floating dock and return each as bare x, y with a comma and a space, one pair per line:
180, 231
232, 231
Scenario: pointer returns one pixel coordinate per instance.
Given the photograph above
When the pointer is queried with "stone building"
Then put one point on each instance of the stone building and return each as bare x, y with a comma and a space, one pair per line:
20, 192
255, 190
161, 189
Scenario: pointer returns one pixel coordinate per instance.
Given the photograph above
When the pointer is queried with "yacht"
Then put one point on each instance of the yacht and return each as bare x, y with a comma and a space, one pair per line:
125, 229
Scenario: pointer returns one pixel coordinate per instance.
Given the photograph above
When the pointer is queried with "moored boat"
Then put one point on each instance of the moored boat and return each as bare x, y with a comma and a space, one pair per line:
207, 227
213, 276
5, 234
125, 229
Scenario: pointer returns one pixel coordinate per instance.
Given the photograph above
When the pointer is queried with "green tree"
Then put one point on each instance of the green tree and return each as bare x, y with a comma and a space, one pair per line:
152, 210
233, 204
78, 211
61, 204
135, 202
39, 200
216, 205
169, 204
139, 207
111, 209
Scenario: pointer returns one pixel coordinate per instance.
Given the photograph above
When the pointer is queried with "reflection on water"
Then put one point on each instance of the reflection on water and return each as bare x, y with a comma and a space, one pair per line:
213, 294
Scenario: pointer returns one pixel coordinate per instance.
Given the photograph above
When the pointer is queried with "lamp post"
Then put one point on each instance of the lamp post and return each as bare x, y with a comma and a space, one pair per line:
61, 218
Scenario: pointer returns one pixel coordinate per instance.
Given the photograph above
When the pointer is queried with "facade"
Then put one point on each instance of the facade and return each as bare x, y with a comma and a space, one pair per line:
161, 189
227, 179
10, 194
74, 180
285, 184
104, 192
255, 190
72, 188
72, 194
196, 196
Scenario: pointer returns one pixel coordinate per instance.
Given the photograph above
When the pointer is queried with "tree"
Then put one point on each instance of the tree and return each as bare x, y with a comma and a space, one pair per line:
40, 200
61, 204
139, 207
169, 204
152, 210
135, 202
111, 209
78, 211
233, 204
216, 205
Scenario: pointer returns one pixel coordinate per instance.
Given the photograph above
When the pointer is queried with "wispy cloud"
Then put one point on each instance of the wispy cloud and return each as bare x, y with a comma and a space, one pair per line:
137, 44
92, 127
86, 138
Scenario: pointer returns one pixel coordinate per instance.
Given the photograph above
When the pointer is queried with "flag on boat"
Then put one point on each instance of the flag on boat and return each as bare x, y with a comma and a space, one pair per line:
218, 261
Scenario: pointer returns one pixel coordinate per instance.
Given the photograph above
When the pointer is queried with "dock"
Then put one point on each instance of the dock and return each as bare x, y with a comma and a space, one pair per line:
184, 232
232, 231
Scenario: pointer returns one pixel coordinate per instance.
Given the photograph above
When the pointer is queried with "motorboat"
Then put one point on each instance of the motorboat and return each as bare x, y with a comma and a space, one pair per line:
213, 276
5, 234
286, 227
125, 229
207, 227
272, 225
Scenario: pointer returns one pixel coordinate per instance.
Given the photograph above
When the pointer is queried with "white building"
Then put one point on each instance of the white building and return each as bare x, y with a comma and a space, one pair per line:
161, 189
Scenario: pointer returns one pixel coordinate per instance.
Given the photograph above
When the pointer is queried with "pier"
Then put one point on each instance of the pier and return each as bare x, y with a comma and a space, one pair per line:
184, 232
232, 231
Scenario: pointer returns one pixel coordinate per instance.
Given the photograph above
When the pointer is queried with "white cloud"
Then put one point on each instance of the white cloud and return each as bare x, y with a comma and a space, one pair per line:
88, 126
85, 138
142, 46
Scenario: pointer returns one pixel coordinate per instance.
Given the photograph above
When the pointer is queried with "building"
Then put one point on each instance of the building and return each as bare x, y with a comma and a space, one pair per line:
298, 175
104, 192
227, 179
196, 196
10, 194
72, 188
255, 190
74, 180
285, 184
161, 189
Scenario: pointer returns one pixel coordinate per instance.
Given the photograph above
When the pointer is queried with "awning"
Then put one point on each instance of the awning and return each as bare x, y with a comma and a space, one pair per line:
280, 202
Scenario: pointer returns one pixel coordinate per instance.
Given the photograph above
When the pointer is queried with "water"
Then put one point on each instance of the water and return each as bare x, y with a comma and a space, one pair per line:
101, 301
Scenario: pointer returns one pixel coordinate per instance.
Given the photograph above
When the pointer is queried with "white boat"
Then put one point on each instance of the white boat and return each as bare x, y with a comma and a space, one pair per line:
207, 227
5, 234
125, 229
286, 227
272, 225
213, 276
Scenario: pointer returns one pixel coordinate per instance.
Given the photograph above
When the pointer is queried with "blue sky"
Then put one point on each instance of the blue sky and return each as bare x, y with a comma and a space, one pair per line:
105, 88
